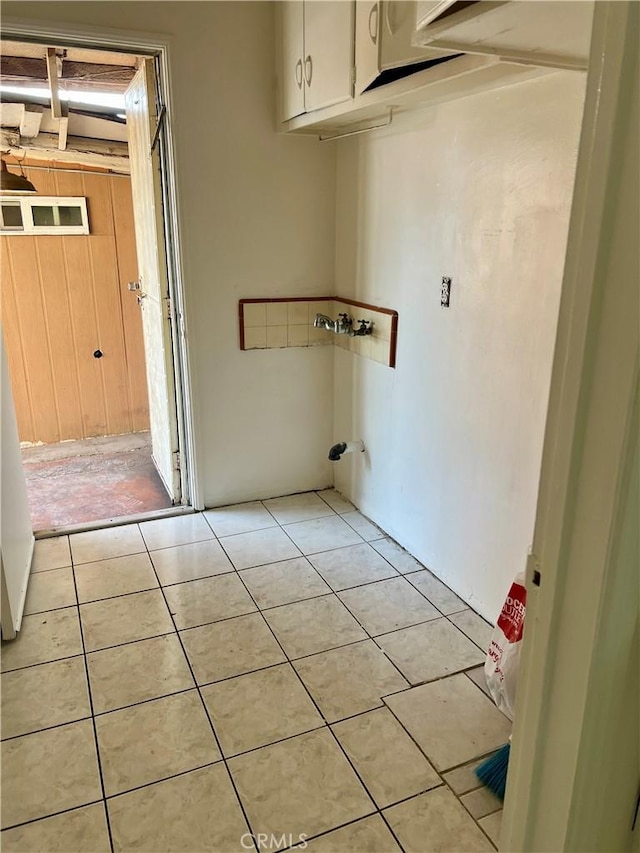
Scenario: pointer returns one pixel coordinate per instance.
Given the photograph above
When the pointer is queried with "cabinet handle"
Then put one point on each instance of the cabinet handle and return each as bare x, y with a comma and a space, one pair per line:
373, 30
299, 75
387, 17
308, 69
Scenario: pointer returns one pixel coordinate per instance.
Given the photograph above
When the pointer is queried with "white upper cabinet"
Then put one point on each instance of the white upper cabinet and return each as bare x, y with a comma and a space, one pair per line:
384, 29
292, 58
547, 33
317, 45
328, 52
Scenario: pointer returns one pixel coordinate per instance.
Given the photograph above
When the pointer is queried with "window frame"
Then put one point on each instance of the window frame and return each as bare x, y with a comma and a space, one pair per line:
29, 228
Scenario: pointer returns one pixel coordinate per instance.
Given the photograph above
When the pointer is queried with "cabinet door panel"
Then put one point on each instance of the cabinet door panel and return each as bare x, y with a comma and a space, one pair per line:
367, 43
397, 24
328, 51
291, 14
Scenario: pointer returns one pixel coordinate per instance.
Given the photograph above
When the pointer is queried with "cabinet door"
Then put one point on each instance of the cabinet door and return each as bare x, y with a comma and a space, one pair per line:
291, 15
397, 25
328, 52
367, 43
428, 10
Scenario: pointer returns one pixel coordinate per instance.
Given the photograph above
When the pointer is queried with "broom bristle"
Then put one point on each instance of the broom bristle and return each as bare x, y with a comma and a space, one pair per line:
493, 771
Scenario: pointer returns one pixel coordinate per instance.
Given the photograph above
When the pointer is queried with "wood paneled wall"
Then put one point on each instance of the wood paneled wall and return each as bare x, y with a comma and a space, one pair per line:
62, 299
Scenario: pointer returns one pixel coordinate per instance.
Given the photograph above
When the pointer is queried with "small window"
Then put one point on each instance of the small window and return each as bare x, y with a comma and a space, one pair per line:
11, 216
42, 215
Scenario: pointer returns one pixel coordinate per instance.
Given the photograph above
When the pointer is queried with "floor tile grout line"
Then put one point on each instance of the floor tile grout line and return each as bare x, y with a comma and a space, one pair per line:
465, 670
210, 721
322, 724
148, 701
93, 719
99, 802
332, 733
441, 773
40, 663
287, 658
163, 779
286, 532
52, 728
290, 661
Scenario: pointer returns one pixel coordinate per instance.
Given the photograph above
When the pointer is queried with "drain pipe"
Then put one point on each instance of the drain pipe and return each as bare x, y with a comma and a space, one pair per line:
338, 450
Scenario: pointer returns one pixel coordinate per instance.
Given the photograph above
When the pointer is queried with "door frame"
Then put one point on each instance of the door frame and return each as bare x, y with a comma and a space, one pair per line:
157, 47
569, 734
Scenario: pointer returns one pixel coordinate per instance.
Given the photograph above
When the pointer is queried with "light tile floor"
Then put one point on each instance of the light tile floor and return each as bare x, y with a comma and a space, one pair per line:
245, 677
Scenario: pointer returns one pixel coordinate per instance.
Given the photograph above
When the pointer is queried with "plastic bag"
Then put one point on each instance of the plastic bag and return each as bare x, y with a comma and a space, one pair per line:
503, 656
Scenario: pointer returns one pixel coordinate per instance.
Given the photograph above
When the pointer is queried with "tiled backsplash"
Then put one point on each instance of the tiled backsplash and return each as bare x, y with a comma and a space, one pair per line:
277, 323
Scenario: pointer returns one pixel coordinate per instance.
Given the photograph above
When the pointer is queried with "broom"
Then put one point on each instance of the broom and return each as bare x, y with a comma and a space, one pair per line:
501, 671
493, 771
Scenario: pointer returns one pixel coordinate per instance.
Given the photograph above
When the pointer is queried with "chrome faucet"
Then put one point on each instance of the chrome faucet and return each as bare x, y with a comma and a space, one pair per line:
324, 322
343, 325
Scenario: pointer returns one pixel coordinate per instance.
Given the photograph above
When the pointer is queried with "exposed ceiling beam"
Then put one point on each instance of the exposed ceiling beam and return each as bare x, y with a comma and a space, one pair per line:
75, 75
53, 70
90, 152
63, 131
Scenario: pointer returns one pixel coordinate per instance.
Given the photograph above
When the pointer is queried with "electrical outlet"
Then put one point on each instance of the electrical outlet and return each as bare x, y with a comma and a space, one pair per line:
445, 292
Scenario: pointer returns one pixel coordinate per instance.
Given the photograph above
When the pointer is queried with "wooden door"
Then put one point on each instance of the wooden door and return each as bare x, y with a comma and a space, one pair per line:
65, 298
153, 297
328, 52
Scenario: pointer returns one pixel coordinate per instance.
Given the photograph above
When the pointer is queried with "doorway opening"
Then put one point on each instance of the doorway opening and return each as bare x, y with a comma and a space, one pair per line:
92, 317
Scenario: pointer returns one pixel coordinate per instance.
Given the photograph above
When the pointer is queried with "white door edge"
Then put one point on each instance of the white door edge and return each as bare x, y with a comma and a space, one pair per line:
584, 482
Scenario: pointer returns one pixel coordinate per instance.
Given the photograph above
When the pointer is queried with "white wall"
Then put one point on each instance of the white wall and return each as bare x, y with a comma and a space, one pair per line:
479, 190
257, 219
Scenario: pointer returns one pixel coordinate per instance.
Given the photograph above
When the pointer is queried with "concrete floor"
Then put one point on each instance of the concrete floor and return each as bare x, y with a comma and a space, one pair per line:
91, 480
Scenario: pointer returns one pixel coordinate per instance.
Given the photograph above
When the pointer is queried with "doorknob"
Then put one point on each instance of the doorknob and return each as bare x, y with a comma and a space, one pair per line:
98, 353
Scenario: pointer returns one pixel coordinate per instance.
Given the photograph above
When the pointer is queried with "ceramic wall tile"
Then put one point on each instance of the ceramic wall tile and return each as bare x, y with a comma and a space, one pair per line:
255, 338
277, 313
275, 323
297, 313
255, 314
276, 337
